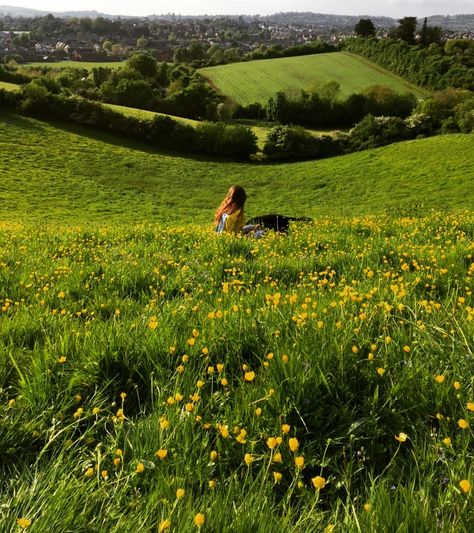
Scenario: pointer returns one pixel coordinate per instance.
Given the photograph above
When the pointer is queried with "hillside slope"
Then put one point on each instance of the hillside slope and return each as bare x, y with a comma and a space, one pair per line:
256, 81
49, 172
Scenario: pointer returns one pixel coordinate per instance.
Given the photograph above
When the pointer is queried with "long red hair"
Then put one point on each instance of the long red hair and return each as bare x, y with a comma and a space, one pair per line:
235, 200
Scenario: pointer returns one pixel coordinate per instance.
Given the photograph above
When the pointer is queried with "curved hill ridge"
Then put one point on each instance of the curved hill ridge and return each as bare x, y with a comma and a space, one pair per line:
70, 174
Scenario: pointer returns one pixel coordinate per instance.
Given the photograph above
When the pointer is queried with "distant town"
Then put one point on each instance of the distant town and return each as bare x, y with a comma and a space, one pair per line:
28, 35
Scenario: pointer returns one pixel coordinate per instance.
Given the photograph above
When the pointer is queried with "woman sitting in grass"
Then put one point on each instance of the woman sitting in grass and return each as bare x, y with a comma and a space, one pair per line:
230, 214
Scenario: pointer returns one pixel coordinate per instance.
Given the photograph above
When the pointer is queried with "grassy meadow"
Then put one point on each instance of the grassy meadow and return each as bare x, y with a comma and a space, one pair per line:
74, 175
256, 81
157, 377
88, 65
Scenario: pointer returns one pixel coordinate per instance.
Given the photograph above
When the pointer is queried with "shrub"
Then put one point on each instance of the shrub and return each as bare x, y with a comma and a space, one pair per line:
232, 141
285, 142
372, 131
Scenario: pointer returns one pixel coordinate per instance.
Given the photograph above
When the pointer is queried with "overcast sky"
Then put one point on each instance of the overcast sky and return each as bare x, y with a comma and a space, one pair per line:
391, 8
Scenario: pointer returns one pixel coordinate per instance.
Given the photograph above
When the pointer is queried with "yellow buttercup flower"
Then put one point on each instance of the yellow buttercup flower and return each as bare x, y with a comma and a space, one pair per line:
249, 376
23, 522
463, 424
271, 442
401, 437
224, 430
161, 454
164, 525
285, 428
140, 468
465, 485
277, 477
299, 462
318, 482
293, 444
180, 493
439, 378
199, 519
248, 459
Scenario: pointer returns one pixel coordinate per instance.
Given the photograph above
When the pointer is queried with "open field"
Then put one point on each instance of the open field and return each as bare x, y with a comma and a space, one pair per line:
256, 81
77, 175
9, 86
158, 377
148, 115
89, 65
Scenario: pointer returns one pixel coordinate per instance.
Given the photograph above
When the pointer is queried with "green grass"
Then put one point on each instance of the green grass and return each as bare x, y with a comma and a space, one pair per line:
256, 81
9, 86
127, 327
148, 115
89, 65
334, 340
73, 174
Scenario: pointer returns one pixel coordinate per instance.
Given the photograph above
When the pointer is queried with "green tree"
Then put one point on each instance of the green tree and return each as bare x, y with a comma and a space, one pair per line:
143, 63
406, 29
364, 28
142, 42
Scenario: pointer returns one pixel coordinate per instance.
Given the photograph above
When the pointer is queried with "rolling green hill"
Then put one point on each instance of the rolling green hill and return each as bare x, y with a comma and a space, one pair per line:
89, 65
256, 81
9, 86
72, 174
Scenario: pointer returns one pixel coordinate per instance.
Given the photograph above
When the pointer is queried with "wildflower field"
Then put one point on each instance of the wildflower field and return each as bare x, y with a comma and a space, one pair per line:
162, 378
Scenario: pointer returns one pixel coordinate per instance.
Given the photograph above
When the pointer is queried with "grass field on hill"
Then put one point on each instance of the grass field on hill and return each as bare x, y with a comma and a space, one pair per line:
89, 65
256, 81
74, 174
9, 86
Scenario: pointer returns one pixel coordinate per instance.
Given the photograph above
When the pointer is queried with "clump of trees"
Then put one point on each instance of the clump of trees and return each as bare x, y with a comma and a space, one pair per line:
436, 67
447, 111
143, 83
323, 108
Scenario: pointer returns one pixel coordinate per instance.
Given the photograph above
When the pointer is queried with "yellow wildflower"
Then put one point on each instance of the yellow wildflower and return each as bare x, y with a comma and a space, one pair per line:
318, 482
293, 444
23, 522
164, 525
199, 519
161, 454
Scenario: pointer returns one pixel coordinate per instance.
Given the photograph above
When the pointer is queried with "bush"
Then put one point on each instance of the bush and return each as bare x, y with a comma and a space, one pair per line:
285, 142
232, 141
372, 131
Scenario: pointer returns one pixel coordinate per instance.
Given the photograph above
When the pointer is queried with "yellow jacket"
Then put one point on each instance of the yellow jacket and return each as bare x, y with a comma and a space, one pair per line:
232, 223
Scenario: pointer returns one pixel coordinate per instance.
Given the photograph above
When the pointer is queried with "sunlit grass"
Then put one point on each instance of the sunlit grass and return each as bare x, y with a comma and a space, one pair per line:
314, 380
256, 81
76, 175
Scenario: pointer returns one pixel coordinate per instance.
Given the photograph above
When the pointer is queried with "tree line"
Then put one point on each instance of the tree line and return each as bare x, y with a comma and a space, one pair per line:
435, 67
